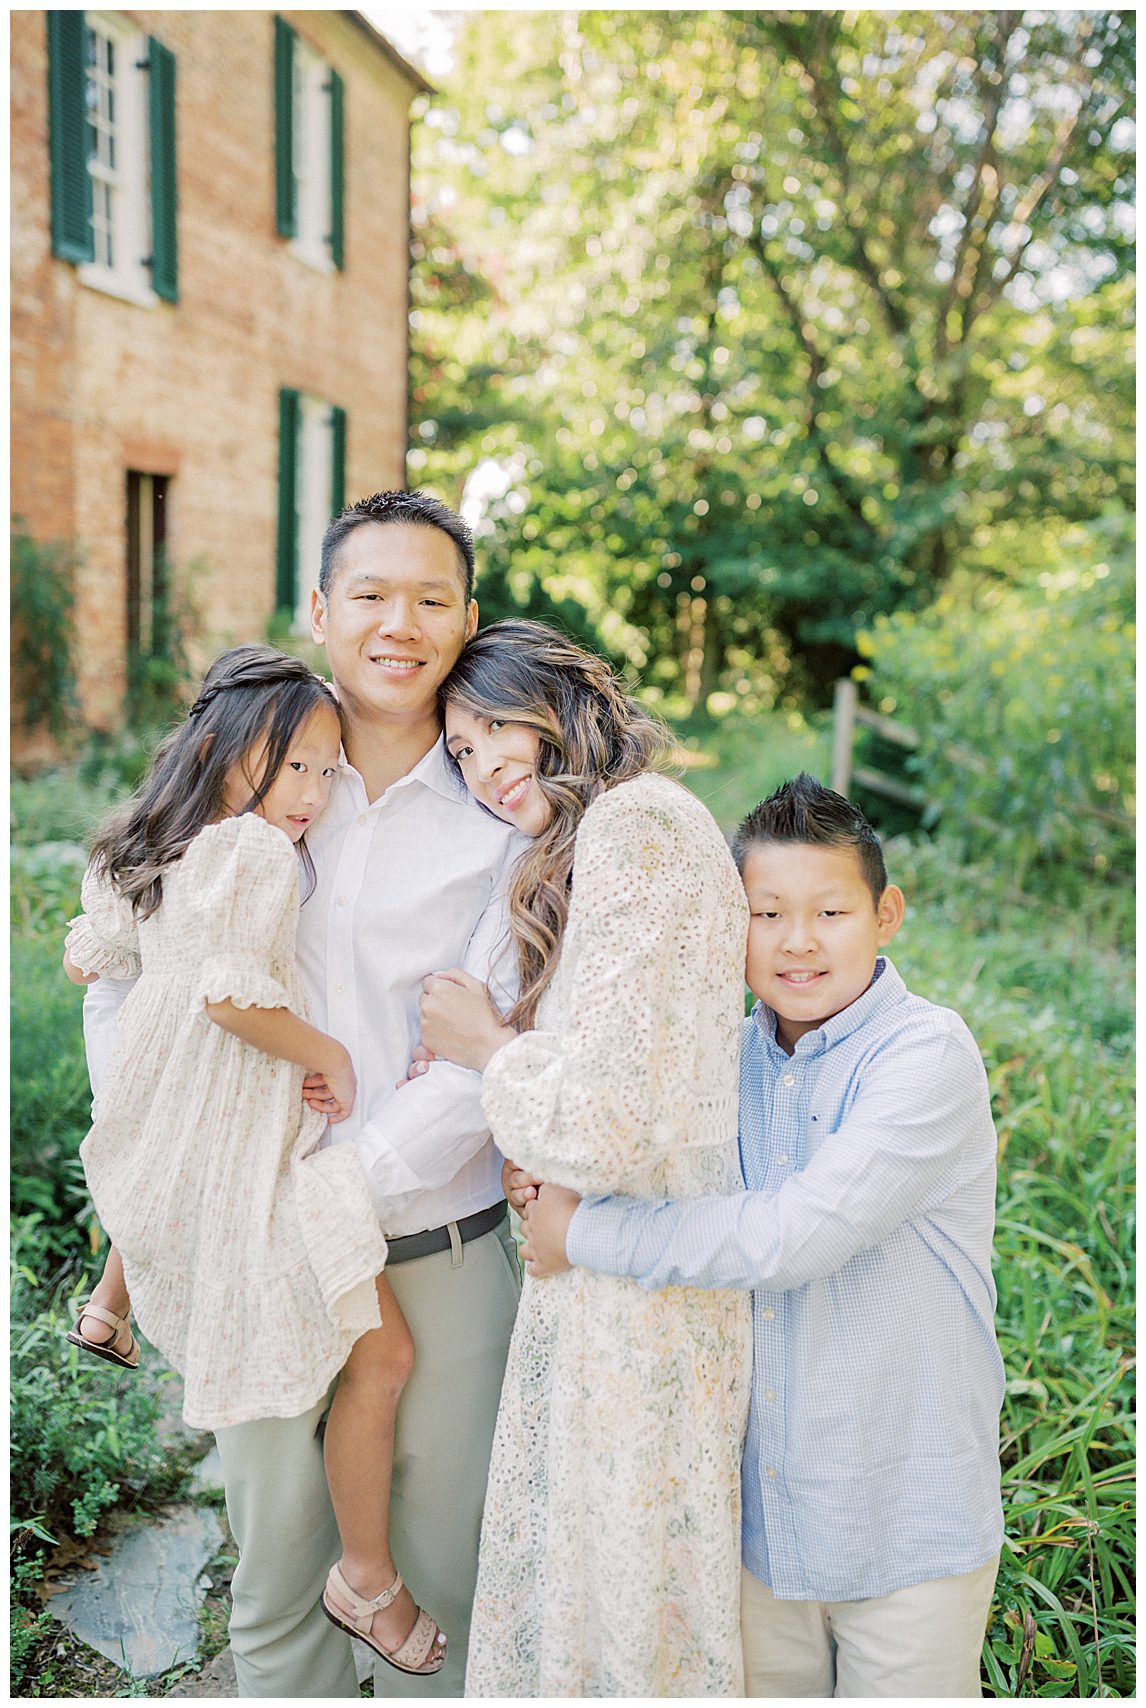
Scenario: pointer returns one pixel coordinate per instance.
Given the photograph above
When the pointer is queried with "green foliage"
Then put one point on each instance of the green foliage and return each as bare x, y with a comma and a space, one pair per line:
1019, 690
733, 762
50, 1096
1048, 995
43, 629
751, 326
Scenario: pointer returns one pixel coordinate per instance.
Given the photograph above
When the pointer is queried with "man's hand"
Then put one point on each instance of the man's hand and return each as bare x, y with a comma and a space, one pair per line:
459, 1020
546, 1222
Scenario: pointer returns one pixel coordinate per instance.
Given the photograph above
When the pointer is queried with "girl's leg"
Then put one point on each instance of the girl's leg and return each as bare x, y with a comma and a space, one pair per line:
359, 1448
110, 1291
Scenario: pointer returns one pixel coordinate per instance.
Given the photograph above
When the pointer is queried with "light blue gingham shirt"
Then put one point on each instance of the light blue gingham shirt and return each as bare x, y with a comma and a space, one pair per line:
871, 1460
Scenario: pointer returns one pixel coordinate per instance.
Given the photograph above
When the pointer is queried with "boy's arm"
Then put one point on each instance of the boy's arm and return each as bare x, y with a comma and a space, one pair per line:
920, 1128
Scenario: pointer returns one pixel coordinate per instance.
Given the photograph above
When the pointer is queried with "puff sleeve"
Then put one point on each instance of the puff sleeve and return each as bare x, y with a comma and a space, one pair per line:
646, 1054
104, 938
241, 879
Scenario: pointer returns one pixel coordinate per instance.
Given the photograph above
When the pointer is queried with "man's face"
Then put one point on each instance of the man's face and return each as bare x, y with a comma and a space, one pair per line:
814, 932
395, 618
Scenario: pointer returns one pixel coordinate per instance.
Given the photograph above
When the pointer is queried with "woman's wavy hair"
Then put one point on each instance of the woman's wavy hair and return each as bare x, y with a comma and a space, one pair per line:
593, 736
252, 698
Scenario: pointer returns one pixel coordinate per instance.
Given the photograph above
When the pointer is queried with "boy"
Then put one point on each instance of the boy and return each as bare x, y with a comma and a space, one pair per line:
872, 1519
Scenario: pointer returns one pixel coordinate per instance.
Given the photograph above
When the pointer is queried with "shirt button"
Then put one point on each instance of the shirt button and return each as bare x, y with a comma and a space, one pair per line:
783, 1157
788, 1079
769, 1394
342, 901
772, 1472
362, 820
340, 988
768, 1314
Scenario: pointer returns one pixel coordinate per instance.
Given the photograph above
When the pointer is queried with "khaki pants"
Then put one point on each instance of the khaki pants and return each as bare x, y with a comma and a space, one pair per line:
921, 1641
460, 1306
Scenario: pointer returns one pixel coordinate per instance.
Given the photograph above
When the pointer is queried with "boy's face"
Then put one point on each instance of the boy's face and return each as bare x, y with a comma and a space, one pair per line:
815, 931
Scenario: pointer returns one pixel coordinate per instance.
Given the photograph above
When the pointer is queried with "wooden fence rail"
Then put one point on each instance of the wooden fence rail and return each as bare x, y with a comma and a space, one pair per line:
849, 714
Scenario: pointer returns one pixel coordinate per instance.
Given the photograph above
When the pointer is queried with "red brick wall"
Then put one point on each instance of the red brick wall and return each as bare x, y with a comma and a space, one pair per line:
101, 385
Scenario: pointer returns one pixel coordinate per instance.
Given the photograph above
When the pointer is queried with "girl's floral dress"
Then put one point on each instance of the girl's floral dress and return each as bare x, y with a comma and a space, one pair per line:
250, 1255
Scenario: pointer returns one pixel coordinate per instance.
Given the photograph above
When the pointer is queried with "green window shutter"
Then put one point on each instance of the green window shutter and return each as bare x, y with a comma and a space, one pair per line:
286, 220
337, 173
337, 459
286, 558
164, 187
72, 238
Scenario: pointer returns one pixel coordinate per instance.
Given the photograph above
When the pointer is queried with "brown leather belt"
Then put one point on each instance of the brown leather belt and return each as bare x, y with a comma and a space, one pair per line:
409, 1246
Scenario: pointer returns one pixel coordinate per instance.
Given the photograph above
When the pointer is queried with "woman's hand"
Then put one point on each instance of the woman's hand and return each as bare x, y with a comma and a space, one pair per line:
419, 1062
459, 1020
546, 1223
519, 1186
331, 1091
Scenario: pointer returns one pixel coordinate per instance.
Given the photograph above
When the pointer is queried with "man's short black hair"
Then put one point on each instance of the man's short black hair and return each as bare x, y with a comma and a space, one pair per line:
405, 509
802, 810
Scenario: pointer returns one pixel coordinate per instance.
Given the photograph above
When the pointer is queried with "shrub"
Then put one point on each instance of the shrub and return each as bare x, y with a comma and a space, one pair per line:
1020, 694
43, 632
50, 1097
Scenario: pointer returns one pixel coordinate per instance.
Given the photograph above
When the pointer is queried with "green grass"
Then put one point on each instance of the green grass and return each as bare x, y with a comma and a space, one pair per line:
1047, 993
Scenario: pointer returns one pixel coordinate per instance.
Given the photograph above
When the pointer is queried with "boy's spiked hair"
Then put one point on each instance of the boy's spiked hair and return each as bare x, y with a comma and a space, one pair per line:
802, 810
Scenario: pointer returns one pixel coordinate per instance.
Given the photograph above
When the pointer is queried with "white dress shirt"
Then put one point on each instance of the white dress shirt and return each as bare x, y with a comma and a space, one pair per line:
410, 884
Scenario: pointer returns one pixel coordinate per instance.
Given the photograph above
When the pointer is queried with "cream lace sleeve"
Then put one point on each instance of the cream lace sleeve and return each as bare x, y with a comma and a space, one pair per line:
104, 938
241, 879
614, 1089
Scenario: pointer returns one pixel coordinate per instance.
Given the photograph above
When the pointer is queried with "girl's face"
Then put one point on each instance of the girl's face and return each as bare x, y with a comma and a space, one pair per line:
302, 787
498, 759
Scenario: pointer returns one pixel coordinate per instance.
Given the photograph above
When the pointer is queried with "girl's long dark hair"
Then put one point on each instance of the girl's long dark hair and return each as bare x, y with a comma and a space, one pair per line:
251, 696
593, 736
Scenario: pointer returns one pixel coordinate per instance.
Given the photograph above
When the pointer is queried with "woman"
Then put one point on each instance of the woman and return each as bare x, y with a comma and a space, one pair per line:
610, 1542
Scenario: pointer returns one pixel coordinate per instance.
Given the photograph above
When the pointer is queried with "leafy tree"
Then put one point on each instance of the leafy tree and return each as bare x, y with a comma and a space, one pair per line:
780, 315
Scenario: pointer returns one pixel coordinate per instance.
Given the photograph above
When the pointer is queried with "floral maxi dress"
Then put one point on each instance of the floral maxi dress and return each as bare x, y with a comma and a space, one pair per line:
610, 1551
250, 1256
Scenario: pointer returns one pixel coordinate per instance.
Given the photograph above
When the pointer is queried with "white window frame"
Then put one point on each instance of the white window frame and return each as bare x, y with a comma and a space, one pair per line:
310, 162
122, 182
314, 474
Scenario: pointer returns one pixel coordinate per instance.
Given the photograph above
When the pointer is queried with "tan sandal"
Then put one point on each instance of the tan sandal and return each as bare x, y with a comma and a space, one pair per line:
414, 1654
128, 1360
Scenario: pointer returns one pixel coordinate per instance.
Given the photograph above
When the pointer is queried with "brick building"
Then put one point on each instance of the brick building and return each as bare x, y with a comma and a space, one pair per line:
209, 310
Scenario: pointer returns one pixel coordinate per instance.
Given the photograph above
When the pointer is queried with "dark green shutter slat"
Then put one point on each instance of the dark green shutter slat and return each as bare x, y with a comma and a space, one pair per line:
285, 213
337, 174
286, 560
164, 184
72, 237
337, 459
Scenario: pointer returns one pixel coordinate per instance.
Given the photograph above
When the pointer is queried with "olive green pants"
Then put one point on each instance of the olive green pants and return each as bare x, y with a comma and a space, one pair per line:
460, 1305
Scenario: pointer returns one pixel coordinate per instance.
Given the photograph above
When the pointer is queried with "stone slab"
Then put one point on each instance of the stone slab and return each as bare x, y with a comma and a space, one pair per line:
140, 1606
216, 1679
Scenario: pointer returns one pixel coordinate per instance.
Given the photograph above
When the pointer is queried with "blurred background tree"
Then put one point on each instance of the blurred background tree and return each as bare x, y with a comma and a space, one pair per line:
737, 330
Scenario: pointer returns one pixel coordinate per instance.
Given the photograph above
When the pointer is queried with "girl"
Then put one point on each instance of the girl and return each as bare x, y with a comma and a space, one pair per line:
252, 1258
610, 1552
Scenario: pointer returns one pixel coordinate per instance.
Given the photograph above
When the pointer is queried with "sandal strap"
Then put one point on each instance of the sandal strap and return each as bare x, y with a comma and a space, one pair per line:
364, 1610
103, 1316
415, 1650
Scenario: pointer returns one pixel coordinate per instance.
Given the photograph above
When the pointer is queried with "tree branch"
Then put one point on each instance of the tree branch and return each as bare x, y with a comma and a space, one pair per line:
820, 94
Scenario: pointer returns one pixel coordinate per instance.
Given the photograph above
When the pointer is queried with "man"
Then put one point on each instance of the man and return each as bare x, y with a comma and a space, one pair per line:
410, 878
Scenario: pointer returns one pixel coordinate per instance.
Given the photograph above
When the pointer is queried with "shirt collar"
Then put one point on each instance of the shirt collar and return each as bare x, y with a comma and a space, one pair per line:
435, 770
886, 988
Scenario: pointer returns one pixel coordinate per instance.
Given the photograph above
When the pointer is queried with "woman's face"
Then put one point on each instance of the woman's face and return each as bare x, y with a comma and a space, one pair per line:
498, 760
